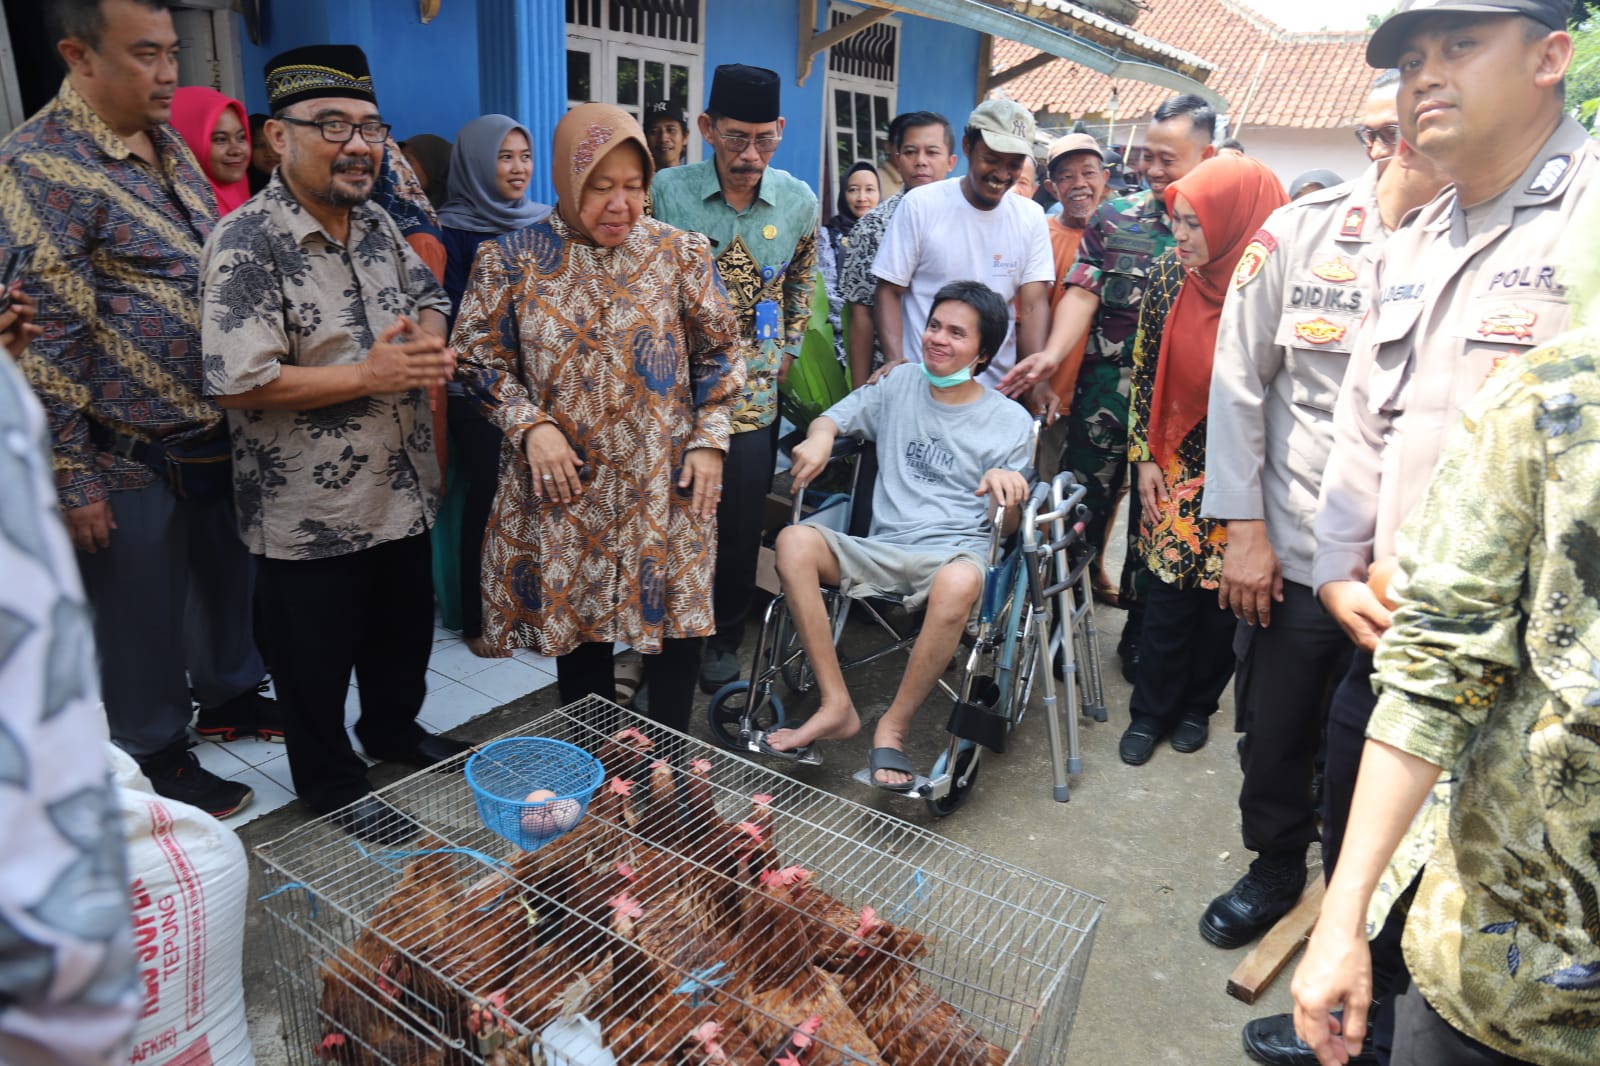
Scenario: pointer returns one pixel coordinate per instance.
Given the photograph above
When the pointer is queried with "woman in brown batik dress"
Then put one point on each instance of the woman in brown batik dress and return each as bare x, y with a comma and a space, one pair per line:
600, 342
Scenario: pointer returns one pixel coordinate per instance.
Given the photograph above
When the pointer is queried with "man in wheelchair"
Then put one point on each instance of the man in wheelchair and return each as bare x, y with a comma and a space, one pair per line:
950, 450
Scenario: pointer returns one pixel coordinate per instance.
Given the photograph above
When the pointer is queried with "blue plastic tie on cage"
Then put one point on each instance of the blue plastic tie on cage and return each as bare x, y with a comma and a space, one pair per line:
919, 896
705, 980
311, 896
390, 859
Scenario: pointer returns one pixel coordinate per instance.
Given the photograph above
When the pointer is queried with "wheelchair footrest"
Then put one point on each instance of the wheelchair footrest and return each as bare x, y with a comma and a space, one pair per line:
974, 719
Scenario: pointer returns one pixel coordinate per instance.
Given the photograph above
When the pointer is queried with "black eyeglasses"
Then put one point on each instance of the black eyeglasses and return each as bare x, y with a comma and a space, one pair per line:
1389, 135
338, 131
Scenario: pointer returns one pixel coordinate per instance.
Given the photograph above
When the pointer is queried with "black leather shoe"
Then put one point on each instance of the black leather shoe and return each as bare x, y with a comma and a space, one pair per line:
427, 750
1272, 1040
1191, 734
1139, 742
1258, 899
375, 822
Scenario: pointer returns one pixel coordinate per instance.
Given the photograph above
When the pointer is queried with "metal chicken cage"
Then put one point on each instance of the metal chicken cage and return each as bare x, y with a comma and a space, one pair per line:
713, 911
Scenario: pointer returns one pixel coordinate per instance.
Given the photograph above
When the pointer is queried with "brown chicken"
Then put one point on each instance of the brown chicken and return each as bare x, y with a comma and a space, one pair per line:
906, 1020
384, 966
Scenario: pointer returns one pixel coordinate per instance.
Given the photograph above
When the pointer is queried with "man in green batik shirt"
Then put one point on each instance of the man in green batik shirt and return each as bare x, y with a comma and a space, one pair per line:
762, 224
1105, 287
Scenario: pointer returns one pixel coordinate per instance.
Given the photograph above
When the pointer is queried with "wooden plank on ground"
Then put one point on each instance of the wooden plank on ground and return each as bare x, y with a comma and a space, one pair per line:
1268, 958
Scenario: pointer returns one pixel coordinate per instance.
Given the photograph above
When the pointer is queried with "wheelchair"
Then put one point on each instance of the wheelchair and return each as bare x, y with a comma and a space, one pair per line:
1036, 609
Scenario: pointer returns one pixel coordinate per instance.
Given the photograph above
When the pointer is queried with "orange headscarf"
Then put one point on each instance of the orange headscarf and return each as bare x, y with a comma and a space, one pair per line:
195, 110
1232, 195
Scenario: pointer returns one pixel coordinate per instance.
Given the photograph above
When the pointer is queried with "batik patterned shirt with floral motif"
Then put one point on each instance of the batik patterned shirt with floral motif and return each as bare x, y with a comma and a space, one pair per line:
631, 353
1179, 545
1492, 669
278, 290
765, 257
115, 272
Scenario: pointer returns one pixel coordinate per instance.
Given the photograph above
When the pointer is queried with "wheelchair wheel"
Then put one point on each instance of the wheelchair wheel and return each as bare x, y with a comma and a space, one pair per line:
726, 713
966, 764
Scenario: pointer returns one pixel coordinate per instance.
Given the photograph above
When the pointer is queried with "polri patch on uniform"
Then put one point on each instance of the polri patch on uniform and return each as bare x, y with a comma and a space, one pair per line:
1254, 258
1549, 175
1319, 331
1335, 270
1355, 220
1514, 321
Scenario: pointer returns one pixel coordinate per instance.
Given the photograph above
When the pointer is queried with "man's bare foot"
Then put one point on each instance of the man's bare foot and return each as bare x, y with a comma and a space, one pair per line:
484, 650
829, 723
889, 735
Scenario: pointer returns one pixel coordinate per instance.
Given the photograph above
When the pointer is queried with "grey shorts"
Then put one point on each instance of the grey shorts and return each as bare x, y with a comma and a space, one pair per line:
873, 568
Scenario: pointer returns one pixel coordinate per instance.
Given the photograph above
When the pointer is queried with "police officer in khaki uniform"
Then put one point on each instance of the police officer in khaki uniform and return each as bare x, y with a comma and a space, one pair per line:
1287, 330
1468, 284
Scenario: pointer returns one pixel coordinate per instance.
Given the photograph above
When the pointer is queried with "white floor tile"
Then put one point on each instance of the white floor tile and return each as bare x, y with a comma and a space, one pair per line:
456, 661
452, 705
278, 770
508, 680
219, 760
535, 660
269, 796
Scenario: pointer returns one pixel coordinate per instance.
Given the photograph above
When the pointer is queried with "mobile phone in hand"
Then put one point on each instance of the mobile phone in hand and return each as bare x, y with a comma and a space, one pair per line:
13, 267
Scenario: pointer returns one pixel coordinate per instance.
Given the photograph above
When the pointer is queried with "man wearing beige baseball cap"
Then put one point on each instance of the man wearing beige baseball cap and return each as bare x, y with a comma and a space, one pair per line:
968, 228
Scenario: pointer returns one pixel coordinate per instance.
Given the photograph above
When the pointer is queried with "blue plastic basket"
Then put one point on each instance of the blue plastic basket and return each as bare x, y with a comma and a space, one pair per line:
503, 774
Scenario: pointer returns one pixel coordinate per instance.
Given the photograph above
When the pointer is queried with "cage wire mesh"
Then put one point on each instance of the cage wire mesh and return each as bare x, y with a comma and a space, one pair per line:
714, 912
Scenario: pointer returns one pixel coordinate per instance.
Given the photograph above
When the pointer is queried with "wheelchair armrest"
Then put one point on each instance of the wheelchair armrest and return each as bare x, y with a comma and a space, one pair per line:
844, 446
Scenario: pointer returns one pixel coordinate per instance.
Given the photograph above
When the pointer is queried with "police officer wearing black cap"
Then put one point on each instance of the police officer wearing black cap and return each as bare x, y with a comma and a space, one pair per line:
1470, 284
667, 129
762, 224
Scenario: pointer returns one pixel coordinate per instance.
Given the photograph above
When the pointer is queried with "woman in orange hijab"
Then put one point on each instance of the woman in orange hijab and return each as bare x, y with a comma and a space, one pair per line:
1186, 648
217, 131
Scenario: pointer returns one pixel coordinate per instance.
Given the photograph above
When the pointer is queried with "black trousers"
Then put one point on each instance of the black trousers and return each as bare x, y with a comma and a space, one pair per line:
1423, 1038
476, 447
746, 480
587, 670
370, 611
1348, 712
1185, 654
1286, 677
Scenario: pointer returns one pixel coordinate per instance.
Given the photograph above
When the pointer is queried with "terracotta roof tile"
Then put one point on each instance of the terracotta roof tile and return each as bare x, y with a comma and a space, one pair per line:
1270, 76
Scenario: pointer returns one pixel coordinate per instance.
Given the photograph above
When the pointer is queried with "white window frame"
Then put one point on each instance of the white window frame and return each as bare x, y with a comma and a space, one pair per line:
607, 49
832, 177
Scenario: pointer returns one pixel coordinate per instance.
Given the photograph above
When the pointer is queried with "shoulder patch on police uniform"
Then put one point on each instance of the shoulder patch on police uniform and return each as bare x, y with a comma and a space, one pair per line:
1254, 258
1319, 331
1335, 270
1550, 174
1355, 220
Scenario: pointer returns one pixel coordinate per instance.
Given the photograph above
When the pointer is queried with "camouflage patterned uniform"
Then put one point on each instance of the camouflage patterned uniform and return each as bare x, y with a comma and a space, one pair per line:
1120, 245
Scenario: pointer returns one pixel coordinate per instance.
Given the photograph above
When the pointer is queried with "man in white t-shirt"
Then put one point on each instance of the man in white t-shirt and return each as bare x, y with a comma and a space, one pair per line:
968, 228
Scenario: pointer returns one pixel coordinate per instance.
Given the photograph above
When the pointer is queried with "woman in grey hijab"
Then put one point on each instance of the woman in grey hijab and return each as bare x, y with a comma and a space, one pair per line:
490, 169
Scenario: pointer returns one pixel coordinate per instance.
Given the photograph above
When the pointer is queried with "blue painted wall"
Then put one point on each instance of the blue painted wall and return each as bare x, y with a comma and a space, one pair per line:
938, 70
426, 76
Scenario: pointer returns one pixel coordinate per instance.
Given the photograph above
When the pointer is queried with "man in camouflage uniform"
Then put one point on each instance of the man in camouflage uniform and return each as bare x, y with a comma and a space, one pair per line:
1104, 289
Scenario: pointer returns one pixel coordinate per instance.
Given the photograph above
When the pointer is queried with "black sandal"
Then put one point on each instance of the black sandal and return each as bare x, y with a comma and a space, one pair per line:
890, 759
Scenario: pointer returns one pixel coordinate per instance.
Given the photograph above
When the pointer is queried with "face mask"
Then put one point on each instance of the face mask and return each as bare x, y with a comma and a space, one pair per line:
945, 381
